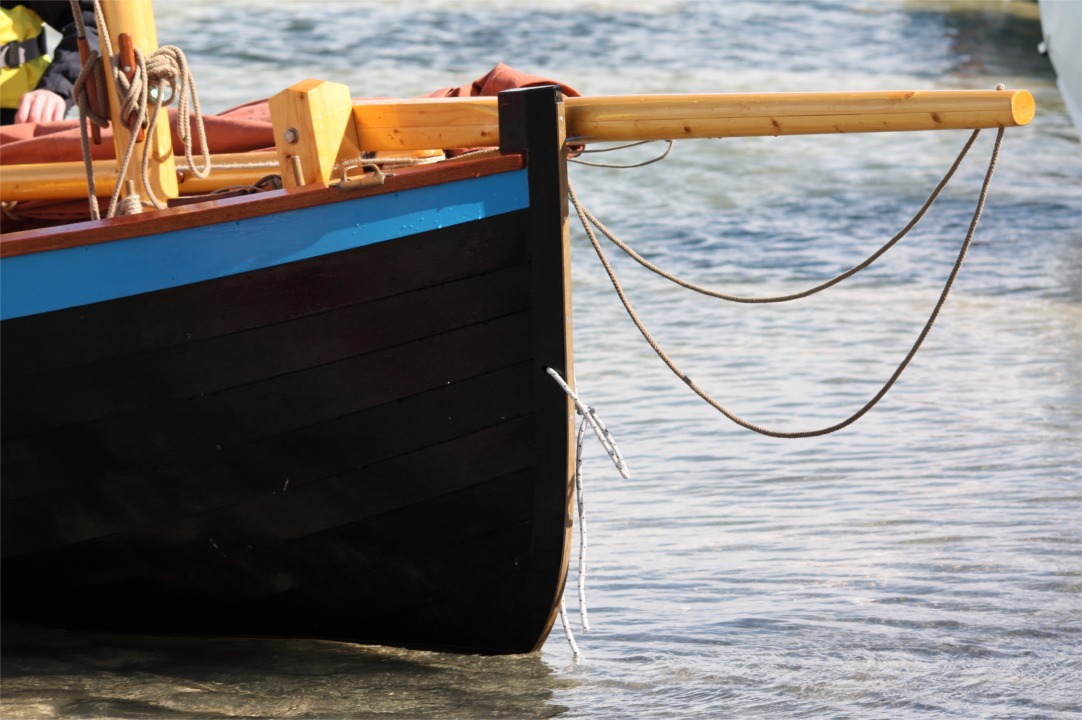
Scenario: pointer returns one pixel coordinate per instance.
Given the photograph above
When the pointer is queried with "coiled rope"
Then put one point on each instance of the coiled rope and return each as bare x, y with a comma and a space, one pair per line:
142, 98
589, 222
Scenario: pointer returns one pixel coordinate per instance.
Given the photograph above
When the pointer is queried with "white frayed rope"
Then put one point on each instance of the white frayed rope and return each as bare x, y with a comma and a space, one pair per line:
589, 417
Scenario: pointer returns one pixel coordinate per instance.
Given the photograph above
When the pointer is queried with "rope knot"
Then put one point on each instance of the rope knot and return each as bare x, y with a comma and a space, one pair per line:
156, 81
133, 91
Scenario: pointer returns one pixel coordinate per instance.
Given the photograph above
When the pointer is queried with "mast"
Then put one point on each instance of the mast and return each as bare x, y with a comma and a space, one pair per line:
135, 19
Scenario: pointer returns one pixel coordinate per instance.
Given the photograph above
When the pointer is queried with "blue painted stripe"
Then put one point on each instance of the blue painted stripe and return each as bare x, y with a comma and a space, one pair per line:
57, 279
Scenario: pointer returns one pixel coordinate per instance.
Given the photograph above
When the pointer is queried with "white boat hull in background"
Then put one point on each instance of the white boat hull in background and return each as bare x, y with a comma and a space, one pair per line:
1061, 23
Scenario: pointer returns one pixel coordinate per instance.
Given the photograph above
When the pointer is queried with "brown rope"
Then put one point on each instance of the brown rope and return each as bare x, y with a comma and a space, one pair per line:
91, 72
644, 163
584, 216
811, 291
165, 68
168, 67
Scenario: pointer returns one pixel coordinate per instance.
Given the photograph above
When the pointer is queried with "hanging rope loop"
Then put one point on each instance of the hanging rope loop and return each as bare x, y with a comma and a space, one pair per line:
644, 163
794, 296
168, 68
589, 222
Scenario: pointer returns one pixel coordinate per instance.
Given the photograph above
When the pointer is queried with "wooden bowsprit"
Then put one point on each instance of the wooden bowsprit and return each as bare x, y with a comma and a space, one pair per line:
471, 122
393, 125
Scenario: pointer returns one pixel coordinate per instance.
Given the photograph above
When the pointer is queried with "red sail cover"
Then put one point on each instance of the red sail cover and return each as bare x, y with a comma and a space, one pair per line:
245, 128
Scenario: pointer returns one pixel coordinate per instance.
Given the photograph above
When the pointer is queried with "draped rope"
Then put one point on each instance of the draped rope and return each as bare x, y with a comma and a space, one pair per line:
587, 220
795, 296
167, 66
651, 161
91, 71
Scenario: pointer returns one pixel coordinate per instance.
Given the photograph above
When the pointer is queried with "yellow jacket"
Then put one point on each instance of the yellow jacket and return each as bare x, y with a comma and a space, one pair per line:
24, 58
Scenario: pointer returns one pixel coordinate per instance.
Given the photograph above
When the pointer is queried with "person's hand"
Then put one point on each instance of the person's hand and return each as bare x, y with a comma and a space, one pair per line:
41, 106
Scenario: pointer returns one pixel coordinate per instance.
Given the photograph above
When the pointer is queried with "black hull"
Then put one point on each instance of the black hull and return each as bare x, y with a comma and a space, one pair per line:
360, 446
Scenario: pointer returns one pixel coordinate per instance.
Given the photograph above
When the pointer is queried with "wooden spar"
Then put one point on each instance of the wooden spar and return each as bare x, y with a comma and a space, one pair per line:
137, 20
394, 125
471, 122
67, 180
312, 130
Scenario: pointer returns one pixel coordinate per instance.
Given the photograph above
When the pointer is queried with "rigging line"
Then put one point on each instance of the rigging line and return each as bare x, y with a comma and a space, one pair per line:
614, 148
978, 211
580, 500
590, 416
165, 68
132, 96
576, 655
794, 296
659, 158
91, 71
77, 15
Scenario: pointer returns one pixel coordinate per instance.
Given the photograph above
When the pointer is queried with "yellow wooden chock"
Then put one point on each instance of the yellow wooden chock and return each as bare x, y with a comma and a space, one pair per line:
313, 130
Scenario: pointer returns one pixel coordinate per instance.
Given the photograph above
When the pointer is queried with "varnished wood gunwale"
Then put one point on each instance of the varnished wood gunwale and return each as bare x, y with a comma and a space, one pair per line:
214, 211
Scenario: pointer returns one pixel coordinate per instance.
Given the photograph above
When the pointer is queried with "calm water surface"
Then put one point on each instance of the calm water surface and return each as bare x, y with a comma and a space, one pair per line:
926, 562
